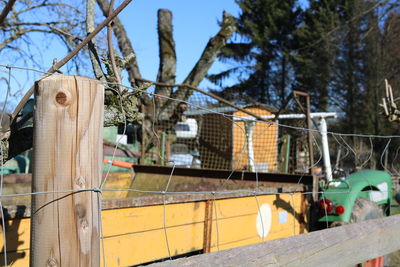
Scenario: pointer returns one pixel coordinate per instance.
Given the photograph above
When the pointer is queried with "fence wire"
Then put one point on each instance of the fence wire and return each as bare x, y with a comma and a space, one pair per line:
202, 133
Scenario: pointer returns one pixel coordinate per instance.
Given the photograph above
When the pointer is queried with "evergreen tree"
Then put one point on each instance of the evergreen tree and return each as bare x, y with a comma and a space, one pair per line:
263, 57
348, 82
391, 50
373, 74
338, 51
317, 50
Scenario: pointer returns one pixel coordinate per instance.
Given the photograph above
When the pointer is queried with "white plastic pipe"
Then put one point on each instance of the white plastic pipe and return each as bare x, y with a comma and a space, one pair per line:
313, 115
249, 127
323, 129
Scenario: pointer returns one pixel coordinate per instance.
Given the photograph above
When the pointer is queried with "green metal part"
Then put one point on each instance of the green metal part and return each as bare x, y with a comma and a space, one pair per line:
163, 148
284, 154
18, 164
370, 184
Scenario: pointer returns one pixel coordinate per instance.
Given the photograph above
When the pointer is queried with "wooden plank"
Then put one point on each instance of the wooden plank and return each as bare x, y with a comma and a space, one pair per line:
341, 246
67, 156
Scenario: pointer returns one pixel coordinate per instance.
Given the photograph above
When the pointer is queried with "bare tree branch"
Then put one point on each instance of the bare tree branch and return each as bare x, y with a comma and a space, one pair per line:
220, 99
208, 56
6, 10
20, 34
72, 38
37, 23
73, 53
111, 50
94, 57
45, 4
123, 43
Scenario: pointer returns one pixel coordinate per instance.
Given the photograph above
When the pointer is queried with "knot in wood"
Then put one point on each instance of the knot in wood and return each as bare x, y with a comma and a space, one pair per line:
52, 262
80, 211
80, 181
84, 225
61, 98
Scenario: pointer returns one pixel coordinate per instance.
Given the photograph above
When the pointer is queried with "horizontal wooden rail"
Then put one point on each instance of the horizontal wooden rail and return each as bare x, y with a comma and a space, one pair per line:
341, 246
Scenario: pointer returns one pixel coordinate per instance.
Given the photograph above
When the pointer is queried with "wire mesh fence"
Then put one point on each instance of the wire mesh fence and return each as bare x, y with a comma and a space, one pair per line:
236, 194
202, 132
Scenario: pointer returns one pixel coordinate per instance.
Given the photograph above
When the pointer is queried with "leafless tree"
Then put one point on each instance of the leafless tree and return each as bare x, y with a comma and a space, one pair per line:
68, 23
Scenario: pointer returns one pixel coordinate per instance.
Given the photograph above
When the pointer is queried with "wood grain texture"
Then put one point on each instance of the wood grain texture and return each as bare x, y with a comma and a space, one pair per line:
67, 156
341, 246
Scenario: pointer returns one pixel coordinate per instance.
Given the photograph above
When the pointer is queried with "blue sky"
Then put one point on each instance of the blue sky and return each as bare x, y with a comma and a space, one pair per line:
195, 22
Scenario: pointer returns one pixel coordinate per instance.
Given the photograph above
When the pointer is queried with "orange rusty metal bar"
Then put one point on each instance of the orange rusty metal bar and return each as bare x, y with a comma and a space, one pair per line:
309, 135
208, 226
119, 163
308, 115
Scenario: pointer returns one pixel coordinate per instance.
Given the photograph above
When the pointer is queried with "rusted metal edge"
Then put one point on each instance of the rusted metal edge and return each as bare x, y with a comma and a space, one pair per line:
281, 178
304, 179
190, 197
23, 211
208, 226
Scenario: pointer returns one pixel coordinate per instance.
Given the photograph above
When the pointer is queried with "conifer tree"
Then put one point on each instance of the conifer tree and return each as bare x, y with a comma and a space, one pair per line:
316, 53
266, 29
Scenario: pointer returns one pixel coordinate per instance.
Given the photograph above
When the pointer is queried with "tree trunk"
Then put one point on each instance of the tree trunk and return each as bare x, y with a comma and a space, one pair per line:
170, 109
167, 68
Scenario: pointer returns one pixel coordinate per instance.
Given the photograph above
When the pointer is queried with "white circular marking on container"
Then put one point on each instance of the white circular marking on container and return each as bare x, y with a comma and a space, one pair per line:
264, 219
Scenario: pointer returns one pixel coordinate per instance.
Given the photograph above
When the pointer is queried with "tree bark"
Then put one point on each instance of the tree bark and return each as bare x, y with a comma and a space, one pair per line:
167, 68
94, 57
124, 44
199, 71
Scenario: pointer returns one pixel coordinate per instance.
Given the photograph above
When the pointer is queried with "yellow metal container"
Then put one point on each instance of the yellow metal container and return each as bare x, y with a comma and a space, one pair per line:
151, 227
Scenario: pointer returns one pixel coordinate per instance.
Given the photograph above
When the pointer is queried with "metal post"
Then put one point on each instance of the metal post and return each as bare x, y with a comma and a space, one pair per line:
309, 126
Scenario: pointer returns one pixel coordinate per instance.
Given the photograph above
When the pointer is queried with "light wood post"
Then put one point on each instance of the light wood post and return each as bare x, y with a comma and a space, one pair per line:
67, 153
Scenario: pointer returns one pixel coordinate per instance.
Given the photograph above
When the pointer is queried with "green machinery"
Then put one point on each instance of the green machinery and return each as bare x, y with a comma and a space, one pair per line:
360, 196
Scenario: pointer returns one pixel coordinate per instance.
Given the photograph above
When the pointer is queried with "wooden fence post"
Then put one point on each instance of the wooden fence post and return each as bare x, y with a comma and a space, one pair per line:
67, 153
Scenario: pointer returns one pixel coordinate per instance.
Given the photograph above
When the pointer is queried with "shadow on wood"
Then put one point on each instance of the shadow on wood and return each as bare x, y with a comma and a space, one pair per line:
341, 246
